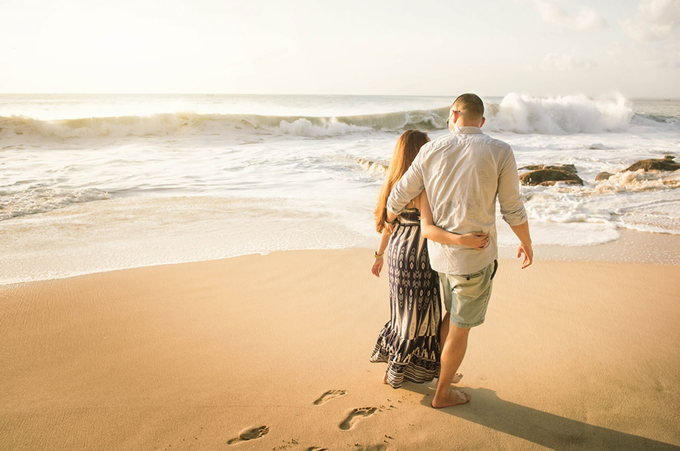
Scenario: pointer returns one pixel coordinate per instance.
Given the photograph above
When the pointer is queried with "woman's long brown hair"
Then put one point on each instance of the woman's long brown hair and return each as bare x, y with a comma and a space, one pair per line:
408, 145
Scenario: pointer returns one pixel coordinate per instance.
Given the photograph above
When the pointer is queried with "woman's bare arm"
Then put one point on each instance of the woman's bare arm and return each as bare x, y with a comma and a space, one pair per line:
384, 239
379, 261
434, 233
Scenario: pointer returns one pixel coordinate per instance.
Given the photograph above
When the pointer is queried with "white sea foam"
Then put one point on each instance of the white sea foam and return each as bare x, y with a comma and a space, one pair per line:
559, 115
562, 206
332, 127
639, 181
143, 231
37, 199
373, 167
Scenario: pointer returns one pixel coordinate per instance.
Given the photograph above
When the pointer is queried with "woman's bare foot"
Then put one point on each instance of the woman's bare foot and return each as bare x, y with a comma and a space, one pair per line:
453, 398
385, 378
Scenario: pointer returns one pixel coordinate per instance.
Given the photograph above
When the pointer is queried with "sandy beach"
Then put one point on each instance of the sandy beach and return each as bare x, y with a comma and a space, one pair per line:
573, 355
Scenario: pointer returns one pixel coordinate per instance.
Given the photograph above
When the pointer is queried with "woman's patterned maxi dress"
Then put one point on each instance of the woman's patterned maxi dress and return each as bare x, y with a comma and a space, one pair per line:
409, 342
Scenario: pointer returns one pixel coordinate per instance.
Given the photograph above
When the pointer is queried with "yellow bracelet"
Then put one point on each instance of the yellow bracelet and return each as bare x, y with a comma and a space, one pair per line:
377, 255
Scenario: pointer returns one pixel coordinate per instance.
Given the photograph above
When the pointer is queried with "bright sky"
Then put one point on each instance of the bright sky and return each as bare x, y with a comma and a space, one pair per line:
395, 47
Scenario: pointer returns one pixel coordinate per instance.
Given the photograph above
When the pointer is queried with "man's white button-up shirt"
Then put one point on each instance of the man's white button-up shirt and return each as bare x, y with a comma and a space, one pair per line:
463, 173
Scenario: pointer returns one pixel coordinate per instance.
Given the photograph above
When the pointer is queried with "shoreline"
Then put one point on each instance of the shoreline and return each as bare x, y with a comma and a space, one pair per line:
632, 247
191, 355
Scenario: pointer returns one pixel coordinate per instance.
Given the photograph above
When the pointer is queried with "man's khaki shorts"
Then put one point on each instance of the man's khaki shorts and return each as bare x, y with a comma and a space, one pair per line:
467, 296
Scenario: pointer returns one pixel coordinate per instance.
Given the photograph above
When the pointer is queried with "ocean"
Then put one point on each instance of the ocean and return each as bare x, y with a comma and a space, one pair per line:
95, 182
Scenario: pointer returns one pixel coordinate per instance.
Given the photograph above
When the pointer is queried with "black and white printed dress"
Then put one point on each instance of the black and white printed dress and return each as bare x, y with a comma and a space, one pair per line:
409, 342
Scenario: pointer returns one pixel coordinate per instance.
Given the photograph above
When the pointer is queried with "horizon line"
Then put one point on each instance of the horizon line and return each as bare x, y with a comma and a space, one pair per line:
320, 95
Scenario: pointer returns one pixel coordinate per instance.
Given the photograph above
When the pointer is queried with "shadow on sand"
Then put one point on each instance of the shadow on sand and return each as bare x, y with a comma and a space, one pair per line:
542, 428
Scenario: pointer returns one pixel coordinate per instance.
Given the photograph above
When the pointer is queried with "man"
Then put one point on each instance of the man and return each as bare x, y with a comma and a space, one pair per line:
463, 173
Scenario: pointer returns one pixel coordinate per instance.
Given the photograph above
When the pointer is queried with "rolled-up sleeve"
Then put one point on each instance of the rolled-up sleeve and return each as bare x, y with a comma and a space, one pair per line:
509, 196
408, 187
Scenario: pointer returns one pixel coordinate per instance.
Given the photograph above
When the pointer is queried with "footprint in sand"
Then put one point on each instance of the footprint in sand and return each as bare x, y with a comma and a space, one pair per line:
315, 448
330, 394
355, 415
249, 434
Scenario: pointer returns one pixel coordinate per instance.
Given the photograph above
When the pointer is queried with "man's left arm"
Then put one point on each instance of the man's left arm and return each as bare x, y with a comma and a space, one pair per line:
509, 196
512, 207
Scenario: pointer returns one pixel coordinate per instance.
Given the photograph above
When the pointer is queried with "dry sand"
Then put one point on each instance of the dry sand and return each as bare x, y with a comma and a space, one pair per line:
573, 355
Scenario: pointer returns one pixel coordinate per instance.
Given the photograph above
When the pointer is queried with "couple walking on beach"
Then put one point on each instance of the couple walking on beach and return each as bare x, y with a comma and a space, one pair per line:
436, 213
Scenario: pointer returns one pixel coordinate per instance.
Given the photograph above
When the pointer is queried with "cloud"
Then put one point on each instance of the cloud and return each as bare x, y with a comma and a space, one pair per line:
665, 62
655, 20
660, 55
564, 62
585, 19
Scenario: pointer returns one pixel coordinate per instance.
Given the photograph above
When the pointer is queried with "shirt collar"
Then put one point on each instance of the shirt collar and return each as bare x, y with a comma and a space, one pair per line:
467, 130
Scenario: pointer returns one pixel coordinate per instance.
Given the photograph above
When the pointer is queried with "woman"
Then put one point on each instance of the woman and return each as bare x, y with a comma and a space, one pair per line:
409, 342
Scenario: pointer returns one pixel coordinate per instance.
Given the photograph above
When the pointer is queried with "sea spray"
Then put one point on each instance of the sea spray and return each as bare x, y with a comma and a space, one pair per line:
560, 115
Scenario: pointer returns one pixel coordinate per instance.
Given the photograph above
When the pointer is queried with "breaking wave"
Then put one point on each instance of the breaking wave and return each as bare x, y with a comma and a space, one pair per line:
515, 113
559, 115
188, 122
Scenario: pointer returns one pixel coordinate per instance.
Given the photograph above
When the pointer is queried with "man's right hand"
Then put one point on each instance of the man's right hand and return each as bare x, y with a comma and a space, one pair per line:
475, 240
528, 252
522, 232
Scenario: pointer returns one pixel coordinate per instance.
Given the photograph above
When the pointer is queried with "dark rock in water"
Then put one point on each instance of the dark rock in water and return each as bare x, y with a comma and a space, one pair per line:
663, 164
549, 178
553, 167
603, 176
548, 175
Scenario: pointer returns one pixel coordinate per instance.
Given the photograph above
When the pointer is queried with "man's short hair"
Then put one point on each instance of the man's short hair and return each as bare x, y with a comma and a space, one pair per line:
470, 105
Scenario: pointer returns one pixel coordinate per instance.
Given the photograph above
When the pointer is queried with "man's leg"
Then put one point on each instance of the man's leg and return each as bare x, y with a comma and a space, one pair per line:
466, 298
453, 352
446, 322
443, 333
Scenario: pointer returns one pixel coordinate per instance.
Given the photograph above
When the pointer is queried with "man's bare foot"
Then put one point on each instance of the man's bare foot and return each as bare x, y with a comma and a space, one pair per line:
385, 378
453, 398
